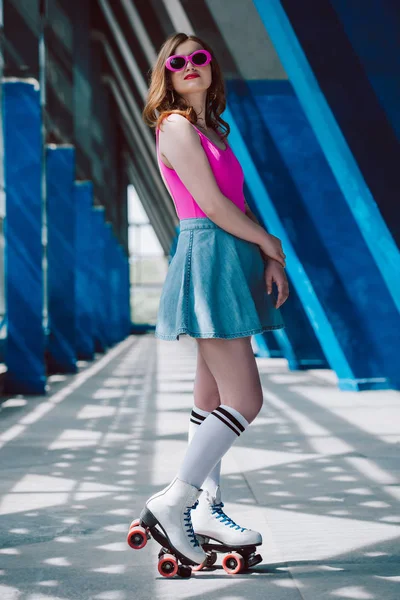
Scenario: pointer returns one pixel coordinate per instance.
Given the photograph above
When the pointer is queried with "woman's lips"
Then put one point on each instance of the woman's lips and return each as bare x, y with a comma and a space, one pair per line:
192, 76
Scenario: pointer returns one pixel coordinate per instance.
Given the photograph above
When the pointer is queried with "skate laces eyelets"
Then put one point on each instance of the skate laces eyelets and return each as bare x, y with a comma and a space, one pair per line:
223, 518
189, 526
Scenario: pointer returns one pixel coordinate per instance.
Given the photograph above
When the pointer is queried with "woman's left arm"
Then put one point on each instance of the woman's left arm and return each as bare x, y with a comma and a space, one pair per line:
253, 217
273, 271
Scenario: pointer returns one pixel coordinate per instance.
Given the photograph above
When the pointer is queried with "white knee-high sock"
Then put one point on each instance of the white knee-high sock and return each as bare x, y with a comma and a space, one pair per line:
212, 480
212, 439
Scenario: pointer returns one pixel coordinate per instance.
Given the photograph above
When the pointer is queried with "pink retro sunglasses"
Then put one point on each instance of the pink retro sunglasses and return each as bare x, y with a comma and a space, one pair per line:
198, 58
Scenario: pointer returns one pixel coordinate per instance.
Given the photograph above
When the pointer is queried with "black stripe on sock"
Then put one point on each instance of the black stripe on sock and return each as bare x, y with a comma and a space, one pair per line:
197, 422
197, 416
225, 423
224, 419
231, 417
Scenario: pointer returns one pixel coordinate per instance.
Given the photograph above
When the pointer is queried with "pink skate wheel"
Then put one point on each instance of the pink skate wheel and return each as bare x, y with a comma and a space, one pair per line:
208, 562
168, 565
233, 563
134, 523
200, 566
137, 538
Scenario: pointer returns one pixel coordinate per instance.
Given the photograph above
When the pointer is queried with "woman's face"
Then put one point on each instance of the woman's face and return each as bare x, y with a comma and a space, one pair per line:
183, 86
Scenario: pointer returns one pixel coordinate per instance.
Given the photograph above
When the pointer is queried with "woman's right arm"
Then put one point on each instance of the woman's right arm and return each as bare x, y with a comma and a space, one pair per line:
181, 145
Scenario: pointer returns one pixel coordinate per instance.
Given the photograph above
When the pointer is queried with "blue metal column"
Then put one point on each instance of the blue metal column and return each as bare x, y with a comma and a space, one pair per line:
25, 345
123, 300
98, 262
126, 320
108, 301
83, 291
115, 291
61, 227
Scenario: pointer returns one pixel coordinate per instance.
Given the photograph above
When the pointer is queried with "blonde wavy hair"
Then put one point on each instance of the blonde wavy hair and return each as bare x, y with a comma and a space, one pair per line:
162, 98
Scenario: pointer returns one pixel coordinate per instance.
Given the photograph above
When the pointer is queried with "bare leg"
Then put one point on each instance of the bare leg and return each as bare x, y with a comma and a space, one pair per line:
206, 394
233, 365
206, 399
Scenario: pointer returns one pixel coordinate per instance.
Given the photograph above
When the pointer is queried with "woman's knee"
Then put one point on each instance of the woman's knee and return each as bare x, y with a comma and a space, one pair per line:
255, 409
233, 366
249, 409
206, 398
206, 393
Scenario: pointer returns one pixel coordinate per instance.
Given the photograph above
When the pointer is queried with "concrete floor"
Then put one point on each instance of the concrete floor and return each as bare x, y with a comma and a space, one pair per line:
317, 473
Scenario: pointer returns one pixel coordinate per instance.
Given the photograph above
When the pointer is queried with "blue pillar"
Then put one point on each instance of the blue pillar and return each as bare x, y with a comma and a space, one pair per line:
98, 262
83, 284
61, 228
125, 312
25, 345
128, 292
121, 291
108, 300
115, 291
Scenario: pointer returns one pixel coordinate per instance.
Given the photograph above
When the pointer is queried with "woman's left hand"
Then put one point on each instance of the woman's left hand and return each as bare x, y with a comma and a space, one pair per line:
273, 271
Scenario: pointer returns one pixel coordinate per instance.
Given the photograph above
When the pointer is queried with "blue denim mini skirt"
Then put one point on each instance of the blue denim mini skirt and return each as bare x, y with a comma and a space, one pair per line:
215, 286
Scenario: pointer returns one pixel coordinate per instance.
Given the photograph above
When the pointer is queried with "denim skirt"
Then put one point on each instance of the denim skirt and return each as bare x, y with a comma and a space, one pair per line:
215, 286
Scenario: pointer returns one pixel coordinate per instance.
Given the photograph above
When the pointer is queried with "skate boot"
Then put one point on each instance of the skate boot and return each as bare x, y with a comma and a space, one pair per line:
211, 524
170, 509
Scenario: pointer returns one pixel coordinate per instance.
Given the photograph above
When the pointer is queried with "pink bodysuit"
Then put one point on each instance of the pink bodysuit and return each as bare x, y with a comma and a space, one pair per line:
227, 171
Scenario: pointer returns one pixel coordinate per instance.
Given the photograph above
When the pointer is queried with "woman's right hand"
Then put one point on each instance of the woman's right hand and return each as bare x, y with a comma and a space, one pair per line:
272, 247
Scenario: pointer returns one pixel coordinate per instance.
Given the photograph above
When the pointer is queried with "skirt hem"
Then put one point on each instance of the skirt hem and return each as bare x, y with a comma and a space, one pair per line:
213, 334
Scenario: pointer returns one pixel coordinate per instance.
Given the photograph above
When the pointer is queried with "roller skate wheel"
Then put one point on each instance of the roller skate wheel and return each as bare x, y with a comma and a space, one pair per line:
184, 571
137, 538
168, 565
134, 523
200, 566
162, 552
233, 563
208, 562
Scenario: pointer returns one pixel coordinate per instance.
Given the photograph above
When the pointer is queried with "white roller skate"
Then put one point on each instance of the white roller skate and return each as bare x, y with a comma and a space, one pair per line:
211, 524
167, 517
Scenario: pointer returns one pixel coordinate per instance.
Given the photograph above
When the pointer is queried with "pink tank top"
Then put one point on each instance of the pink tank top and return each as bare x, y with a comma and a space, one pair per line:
227, 171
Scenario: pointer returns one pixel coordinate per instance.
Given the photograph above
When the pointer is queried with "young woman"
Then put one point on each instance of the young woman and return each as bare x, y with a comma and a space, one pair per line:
217, 290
